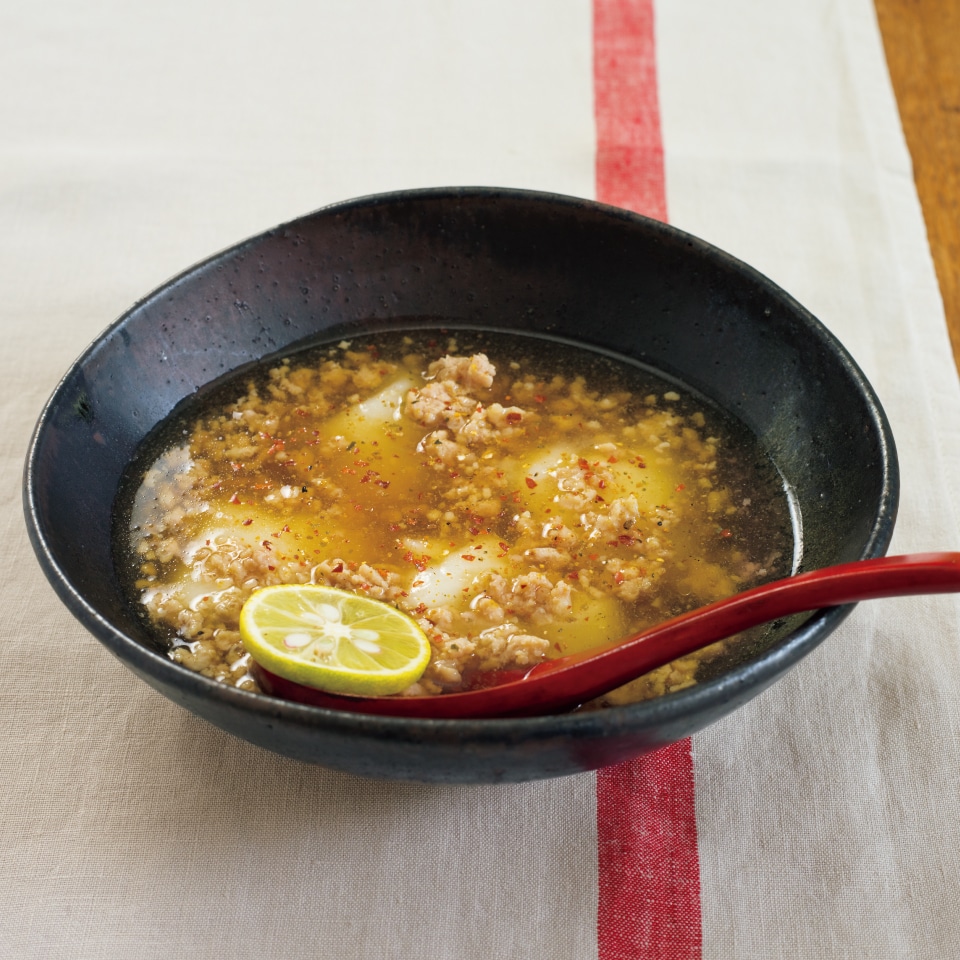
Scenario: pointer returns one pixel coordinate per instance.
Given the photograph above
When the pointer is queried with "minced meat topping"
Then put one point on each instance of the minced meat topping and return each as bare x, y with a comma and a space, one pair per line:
516, 511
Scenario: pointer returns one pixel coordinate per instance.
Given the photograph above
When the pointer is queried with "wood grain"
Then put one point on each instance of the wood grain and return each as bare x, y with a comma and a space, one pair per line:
922, 43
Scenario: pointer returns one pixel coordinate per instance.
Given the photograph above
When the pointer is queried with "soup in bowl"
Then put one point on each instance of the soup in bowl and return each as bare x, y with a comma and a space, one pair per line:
532, 423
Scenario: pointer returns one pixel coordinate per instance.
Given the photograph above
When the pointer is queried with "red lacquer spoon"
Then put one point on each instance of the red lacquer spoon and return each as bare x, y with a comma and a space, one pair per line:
564, 683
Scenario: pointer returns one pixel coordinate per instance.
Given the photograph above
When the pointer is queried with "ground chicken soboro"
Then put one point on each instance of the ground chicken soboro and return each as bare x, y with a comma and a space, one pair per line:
517, 509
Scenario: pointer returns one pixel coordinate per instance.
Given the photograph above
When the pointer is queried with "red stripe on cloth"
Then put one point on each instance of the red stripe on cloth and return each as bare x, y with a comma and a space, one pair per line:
649, 869
626, 107
649, 898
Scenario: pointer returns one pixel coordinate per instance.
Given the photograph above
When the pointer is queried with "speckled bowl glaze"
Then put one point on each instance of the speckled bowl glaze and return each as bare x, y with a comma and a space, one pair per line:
499, 259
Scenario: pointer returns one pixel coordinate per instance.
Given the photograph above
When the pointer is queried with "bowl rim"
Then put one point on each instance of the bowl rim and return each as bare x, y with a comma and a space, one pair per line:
752, 675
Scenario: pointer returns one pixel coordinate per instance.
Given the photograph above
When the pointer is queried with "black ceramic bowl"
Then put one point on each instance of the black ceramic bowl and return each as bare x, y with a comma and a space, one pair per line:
464, 258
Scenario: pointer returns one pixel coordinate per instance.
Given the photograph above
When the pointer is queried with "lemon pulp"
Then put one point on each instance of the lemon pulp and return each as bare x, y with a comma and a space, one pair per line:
333, 640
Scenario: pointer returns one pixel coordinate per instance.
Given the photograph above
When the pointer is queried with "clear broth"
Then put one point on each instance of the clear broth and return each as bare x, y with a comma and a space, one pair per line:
569, 499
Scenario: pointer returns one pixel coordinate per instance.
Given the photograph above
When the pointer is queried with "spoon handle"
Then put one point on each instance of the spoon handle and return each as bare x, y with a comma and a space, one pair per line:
831, 586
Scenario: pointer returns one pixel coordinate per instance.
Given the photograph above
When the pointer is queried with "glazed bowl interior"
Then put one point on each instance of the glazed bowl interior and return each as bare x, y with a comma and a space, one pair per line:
465, 258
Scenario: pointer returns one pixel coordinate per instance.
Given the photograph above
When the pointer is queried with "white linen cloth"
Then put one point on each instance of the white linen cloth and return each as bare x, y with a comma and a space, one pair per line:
136, 139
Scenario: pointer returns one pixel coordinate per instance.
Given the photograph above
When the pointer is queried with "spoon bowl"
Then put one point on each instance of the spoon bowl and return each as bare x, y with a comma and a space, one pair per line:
563, 683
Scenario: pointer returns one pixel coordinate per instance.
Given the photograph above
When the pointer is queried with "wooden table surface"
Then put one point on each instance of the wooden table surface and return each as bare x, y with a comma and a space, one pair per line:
922, 42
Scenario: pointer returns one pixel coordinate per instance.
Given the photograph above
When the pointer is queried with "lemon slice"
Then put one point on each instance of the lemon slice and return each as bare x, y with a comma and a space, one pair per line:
333, 640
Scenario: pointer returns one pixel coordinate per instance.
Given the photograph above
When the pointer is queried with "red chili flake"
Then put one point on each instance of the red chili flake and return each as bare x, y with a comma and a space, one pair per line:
619, 577
573, 576
499, 474
338, 568
358, 506
383, 483
583, 464
276, 447
503, 546
599, 499
594, 556
347, 470
234, 499
247, 523
602, 484
531, 483
360, 463
681, 486
271, 568
625, 538
539, 397
612, 460
235, 467
467, 556
725, 533
216, 486
454, 474
266, 545
513, 417
300, 412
